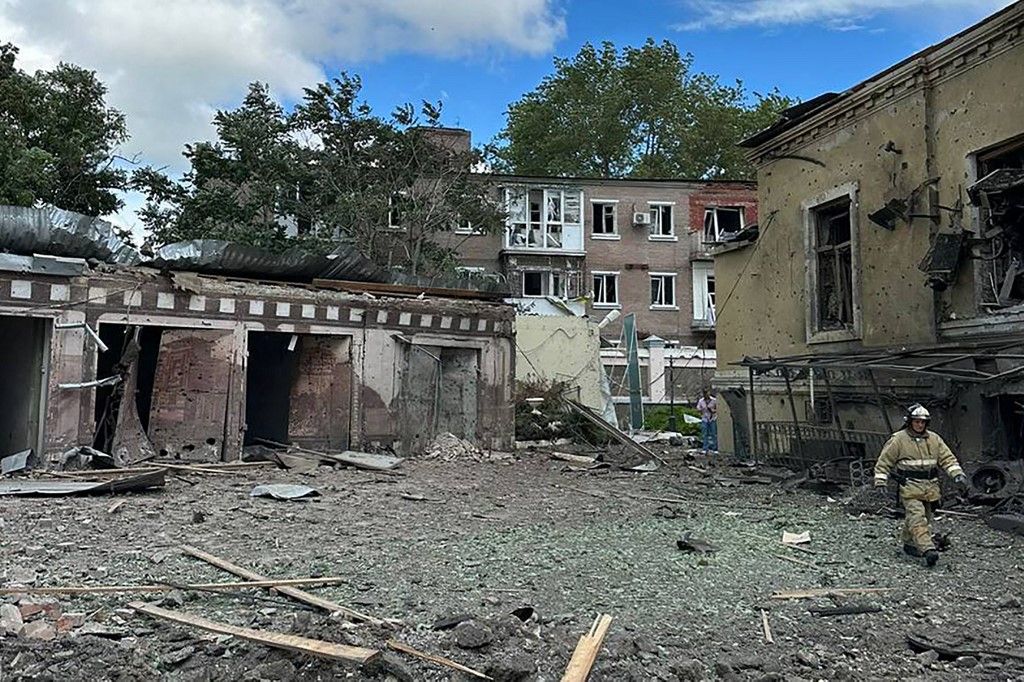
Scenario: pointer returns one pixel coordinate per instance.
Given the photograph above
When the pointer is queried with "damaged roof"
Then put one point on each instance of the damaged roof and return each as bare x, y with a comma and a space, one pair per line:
27, 231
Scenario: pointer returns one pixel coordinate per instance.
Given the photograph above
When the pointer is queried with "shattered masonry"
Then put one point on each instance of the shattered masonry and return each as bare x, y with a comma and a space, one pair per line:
222, 362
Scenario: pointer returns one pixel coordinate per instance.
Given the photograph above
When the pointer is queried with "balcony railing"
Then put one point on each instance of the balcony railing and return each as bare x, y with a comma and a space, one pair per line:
845, 457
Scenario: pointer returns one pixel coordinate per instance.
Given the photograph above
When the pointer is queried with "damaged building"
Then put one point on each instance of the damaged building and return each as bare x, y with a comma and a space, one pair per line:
888, 268
210, 346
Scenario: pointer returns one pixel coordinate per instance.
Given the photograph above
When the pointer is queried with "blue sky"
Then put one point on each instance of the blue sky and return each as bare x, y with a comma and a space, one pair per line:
802, 59
169, 66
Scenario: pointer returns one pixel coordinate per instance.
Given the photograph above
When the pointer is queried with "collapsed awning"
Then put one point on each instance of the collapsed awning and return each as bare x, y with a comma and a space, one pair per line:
217, 256
54, 231
977, 363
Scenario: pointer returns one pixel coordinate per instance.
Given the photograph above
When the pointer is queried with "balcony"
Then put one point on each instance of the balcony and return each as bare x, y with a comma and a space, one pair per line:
546, 220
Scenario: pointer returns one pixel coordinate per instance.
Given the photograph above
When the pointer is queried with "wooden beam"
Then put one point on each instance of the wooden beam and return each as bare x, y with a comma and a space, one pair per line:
103, 589
395, 645
294, 593
830, 592
586, 651
278, 640
766, 626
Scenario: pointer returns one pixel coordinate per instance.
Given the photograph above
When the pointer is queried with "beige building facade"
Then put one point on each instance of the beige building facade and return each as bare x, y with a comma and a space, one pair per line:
875, 238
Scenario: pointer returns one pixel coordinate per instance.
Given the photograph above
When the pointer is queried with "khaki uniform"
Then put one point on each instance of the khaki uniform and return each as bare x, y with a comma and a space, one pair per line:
909, 453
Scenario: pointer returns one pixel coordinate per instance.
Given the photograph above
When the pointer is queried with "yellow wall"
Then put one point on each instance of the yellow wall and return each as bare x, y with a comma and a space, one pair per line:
563, 349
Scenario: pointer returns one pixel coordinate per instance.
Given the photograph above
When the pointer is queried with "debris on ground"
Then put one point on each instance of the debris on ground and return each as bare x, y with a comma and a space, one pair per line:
15, 463
284, 491
46, 487
447, 447
689, 543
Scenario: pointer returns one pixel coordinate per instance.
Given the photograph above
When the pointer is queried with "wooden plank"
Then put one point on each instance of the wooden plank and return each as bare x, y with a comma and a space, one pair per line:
850, 610
278, 640
766, 626
586, 651
395, 645
830, 592
575, 459
294, 593
102, 589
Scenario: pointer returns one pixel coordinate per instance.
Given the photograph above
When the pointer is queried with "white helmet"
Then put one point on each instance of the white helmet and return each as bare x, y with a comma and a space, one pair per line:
918, 411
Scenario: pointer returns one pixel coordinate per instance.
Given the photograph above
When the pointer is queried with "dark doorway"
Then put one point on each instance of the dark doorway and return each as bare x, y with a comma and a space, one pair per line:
268, 376
22, 366
299, 390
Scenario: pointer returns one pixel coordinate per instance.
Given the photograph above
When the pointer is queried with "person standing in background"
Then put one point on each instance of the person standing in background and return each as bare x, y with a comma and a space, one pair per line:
708, 408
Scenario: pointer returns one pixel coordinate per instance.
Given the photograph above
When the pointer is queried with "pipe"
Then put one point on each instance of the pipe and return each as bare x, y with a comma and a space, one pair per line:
89, 330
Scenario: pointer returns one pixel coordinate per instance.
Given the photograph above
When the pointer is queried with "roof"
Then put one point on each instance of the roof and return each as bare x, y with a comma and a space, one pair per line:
801, 112
609, 181
1001, 360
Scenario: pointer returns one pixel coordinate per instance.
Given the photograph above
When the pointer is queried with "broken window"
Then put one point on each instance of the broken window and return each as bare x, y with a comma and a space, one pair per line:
396, 211
604, 217
606, 289
662, 225
543, 283
721, 223
538, 218
1000, 194
663, 290
833, 265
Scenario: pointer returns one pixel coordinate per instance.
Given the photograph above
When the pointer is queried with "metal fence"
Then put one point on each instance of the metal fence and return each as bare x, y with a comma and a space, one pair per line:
846, 457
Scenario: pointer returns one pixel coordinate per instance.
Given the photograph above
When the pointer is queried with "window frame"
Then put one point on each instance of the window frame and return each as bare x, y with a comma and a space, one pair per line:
546, 219
716, 237
811, 208
614, 234
655, 209
554, 284
704, 301
672, 277
614, 274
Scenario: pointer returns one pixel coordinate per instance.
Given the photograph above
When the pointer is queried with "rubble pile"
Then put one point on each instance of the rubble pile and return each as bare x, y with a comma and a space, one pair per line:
447, 447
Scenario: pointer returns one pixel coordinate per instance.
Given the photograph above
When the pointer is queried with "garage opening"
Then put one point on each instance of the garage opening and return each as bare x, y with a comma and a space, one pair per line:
440, 393
22, 367
179, 379
110, 363
298, 390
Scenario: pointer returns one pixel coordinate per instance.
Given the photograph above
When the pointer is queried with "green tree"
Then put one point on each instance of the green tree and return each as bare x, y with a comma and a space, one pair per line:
58, 139
329, 170
639, 112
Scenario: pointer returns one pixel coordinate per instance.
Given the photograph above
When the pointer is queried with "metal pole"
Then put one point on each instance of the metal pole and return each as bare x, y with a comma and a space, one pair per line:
796, 422
672, 424
878, 401
835, 410
753, 418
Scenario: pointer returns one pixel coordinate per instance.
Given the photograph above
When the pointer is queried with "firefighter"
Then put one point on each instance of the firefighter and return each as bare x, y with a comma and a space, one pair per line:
912, 457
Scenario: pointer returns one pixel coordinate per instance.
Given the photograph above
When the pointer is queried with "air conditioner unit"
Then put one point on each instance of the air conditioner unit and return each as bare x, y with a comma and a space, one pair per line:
641, 218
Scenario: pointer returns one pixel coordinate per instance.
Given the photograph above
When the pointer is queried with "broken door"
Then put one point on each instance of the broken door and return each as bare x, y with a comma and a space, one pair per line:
190, 393
440, 393
320, 404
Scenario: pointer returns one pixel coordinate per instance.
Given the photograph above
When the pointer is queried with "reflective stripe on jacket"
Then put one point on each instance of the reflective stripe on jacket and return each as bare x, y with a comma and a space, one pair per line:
906, 451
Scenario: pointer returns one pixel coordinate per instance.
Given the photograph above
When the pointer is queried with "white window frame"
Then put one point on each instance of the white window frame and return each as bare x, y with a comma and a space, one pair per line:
545, 224
716, 237
659, 236
606, 304
614, 234
672, 277
391, 209
468, 229
704, 312
809, 208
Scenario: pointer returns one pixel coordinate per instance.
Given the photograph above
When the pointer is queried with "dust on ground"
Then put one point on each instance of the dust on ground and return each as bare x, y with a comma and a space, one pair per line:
481, 539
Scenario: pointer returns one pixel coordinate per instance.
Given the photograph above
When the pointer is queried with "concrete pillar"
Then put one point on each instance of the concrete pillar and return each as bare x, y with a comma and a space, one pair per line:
656, 368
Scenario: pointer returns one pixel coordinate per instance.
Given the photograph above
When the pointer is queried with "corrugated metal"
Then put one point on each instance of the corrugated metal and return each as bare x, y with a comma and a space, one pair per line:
62, 233
223, 257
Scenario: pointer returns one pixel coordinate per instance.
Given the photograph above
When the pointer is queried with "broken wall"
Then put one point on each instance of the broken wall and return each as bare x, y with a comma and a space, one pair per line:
348, 354
565, 349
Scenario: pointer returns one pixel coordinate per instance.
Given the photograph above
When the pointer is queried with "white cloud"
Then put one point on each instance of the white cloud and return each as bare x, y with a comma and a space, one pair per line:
170, 65
836, 14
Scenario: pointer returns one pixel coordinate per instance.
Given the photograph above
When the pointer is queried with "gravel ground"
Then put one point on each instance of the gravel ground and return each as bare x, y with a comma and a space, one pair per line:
492, 537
